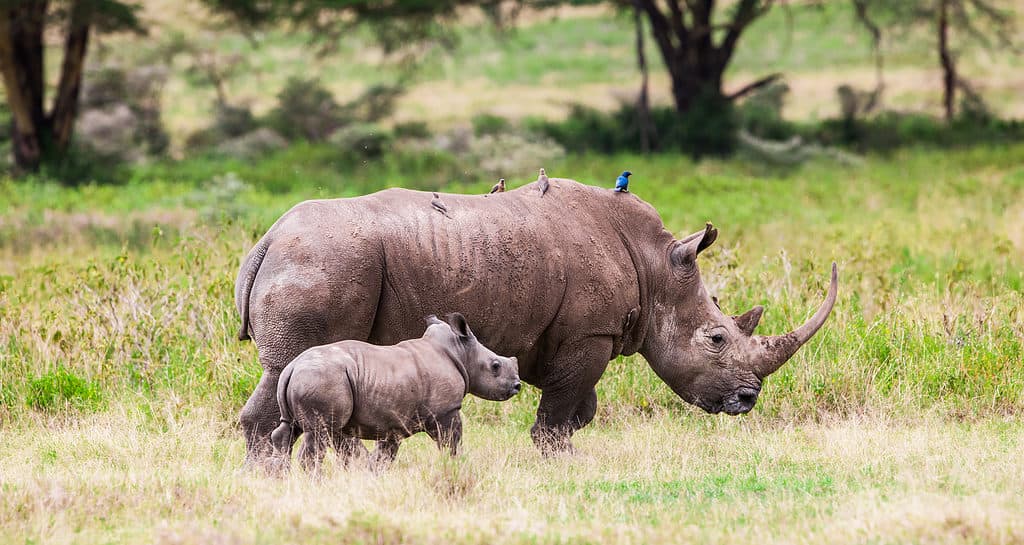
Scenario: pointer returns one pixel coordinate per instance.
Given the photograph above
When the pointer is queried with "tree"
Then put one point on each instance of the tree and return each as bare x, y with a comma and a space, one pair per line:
697, 48
35, 132
978, 21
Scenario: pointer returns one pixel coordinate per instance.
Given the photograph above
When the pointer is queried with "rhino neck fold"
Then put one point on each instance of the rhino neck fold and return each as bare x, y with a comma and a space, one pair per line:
644, 251
454, 358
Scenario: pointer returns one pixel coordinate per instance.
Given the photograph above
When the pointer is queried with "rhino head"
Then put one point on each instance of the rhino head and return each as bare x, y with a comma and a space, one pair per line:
710, 359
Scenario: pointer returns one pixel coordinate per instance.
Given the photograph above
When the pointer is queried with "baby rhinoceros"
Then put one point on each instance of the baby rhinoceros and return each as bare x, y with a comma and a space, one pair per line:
347, 389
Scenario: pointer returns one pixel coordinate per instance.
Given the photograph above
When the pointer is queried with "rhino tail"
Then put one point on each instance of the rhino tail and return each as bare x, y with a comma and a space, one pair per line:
246, 278
283, 437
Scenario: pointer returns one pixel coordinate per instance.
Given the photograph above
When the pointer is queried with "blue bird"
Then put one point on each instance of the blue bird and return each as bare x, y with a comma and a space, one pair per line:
622, 182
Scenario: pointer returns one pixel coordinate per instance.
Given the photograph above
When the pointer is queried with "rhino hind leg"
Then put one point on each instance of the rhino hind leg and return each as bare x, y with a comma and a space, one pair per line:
347, 447
569, 402
312, 451
384, 454
259, 418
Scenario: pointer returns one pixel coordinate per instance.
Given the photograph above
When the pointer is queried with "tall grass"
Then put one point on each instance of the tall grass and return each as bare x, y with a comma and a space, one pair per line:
121, 379
929, 316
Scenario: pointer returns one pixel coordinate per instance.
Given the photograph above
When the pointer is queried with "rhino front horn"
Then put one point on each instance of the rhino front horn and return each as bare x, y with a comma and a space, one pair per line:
779, 348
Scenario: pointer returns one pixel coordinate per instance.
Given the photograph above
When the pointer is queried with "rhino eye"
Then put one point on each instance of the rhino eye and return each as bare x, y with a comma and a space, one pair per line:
717, 338
495, 365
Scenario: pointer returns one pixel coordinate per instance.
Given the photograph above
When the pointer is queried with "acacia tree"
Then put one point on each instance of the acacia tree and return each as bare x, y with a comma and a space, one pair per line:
967, 21
36, 132
697, 44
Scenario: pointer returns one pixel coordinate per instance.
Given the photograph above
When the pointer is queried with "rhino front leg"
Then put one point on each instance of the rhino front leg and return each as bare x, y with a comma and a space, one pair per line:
568, 401
447, 432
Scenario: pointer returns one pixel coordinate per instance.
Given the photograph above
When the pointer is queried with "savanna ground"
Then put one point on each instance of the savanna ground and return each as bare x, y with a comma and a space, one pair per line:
121, 376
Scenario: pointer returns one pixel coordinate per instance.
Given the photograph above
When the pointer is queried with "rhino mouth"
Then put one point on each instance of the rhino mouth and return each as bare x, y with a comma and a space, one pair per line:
740, 402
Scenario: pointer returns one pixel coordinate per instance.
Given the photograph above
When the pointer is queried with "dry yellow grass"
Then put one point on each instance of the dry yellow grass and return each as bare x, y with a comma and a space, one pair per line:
117, 477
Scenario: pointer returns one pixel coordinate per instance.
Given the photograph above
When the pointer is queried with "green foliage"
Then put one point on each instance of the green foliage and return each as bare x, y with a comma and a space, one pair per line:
363, 139
306, 110
411, 130
490, 124
708, 129
61, 389
890, 131
146, 308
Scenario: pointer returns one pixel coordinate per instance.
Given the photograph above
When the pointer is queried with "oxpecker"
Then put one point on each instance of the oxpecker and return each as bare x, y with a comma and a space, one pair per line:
499, 187
439, 206
542, 182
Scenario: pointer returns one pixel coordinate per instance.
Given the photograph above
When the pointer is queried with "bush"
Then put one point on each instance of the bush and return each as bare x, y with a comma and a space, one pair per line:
306, 110
761, 113
411, 129
708, 129
120, 117
62, 388
892, 130
364, 139
490, 124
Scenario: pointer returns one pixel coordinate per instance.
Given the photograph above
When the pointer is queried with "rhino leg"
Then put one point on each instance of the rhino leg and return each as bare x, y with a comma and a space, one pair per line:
384, 454
259, 417
568, 401
447, 432
348, 447
287, 319
312, 451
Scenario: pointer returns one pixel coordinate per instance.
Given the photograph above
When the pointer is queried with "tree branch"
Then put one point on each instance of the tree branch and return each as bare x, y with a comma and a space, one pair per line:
662, 32
746, 12
754, 85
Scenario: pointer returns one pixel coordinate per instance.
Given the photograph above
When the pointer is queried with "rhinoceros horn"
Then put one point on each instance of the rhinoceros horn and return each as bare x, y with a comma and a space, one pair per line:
779, 348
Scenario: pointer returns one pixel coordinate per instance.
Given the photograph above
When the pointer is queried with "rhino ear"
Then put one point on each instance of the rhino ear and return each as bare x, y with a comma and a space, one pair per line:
748, 321
459, 325
687, 249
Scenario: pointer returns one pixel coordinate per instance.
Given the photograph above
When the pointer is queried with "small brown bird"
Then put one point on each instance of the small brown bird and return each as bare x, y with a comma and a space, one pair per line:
542, 182
439, 206
499, 187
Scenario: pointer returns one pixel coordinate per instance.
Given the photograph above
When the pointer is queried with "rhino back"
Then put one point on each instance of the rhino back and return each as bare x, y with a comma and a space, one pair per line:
529, 273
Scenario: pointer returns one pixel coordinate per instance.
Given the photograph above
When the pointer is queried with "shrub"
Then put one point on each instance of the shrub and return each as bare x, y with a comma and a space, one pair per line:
364, 139
62, 388
411, 129
306, 110
490, 124
708, 129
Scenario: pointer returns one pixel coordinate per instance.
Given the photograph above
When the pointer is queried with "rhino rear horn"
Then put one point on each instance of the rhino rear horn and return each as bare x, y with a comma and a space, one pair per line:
749, 320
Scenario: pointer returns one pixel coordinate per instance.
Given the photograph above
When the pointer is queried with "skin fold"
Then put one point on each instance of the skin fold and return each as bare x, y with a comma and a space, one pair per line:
565, 282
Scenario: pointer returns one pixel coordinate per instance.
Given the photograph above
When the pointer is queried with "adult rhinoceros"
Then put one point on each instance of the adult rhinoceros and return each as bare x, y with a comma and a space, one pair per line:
564, 281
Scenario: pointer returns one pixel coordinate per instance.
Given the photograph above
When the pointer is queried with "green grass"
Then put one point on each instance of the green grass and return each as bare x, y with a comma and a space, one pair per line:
121, 379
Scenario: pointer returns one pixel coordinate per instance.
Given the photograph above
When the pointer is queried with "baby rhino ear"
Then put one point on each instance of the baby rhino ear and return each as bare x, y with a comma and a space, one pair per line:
459, 325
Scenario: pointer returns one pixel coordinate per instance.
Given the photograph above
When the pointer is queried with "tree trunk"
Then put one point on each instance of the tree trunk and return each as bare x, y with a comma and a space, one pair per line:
21, 64
948, 66
65, 105
643, 104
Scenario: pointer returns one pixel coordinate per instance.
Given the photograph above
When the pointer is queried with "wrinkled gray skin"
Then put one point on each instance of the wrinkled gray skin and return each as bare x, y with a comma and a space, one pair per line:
354, 390
565, 283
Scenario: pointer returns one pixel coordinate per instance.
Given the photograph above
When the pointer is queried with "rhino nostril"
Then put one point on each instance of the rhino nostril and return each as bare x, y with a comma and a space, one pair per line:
747, 397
